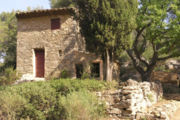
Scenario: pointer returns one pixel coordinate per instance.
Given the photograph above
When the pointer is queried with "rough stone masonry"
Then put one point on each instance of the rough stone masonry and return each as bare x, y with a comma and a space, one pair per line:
132, 100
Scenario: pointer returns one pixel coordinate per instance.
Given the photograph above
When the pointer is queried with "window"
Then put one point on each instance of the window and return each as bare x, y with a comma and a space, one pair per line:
60, 53
55, 23
95, 70
79, 70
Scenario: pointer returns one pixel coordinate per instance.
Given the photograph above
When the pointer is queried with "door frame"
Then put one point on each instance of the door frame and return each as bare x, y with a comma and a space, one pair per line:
34, 62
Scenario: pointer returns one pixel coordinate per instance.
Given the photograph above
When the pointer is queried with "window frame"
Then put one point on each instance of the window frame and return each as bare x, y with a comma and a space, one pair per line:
55, 23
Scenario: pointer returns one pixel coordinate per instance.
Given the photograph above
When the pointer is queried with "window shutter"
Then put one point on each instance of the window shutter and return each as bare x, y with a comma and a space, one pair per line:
55, 23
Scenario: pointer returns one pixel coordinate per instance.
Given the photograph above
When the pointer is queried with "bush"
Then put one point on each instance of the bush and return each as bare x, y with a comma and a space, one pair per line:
11, 105
9, 76
52, 100
67, 85
40, 98
65, 74
85, 75
84, 106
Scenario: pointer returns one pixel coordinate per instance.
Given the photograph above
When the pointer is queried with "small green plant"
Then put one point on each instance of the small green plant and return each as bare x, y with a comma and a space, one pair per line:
64, 74
85, 75
150, 97
143, 119
8, 76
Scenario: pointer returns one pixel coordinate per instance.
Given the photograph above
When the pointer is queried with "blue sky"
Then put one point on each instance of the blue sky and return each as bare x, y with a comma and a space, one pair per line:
9, 5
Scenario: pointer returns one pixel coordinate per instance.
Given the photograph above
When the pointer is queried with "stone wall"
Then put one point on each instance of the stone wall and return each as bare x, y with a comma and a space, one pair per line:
132, 99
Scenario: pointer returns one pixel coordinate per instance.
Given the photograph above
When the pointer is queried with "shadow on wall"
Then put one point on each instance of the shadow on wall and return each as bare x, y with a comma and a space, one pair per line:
69, 61
73, 53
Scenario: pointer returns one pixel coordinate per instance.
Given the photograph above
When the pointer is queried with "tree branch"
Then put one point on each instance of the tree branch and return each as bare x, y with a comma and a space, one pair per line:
135, 63
143, 46
164, 58
139, 33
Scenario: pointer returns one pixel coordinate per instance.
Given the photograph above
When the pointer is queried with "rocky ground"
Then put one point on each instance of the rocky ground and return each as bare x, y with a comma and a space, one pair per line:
165, 110
176, 115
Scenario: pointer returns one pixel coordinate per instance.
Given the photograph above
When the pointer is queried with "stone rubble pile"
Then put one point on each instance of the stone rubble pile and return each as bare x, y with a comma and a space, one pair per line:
134, 97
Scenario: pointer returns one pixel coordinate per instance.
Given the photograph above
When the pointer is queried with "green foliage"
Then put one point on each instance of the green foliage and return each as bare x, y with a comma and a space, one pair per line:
67, 85
8, 76
160, 19
65, 74
85, 75
8, 32
85, 106
150, 97
52, 100
157, 35
11, 105
40, 99
109, 23
61, 3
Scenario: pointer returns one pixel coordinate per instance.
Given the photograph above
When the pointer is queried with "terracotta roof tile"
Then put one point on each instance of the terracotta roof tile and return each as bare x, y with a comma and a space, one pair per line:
45, 12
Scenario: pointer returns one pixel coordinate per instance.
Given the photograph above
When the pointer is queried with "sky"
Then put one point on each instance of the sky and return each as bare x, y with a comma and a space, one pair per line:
9, 5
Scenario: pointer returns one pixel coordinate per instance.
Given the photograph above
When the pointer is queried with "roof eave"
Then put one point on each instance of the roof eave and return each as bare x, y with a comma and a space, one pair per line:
47, 12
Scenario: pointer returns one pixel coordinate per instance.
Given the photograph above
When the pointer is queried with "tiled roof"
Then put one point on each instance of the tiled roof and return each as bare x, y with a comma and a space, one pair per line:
45, 12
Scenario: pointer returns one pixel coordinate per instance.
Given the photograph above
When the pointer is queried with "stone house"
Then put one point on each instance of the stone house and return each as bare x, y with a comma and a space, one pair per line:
49, 44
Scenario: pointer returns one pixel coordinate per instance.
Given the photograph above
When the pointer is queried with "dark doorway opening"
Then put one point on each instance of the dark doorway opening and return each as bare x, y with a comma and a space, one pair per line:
95, 70
39, 55
79, 70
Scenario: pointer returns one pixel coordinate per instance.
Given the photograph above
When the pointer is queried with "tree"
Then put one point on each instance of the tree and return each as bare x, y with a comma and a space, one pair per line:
8, 28
107, 26
61, 3
157, 36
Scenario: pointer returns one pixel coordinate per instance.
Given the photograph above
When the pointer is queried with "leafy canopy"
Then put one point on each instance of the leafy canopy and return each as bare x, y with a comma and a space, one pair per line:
61, 3
107, 24
161, 22
8, 32
157, 36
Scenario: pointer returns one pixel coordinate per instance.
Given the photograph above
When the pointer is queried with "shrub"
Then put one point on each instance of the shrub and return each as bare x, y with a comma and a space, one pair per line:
9, 76
65, 74
41, 98
58, 112
82, 106
62, 99
85, 75
66, 85
11, 105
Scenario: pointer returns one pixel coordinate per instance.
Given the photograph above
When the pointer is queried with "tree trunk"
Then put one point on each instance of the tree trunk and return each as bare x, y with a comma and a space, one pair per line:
146, 76
109, 66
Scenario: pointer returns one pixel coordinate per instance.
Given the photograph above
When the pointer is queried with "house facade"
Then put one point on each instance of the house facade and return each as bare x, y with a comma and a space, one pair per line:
49, 45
